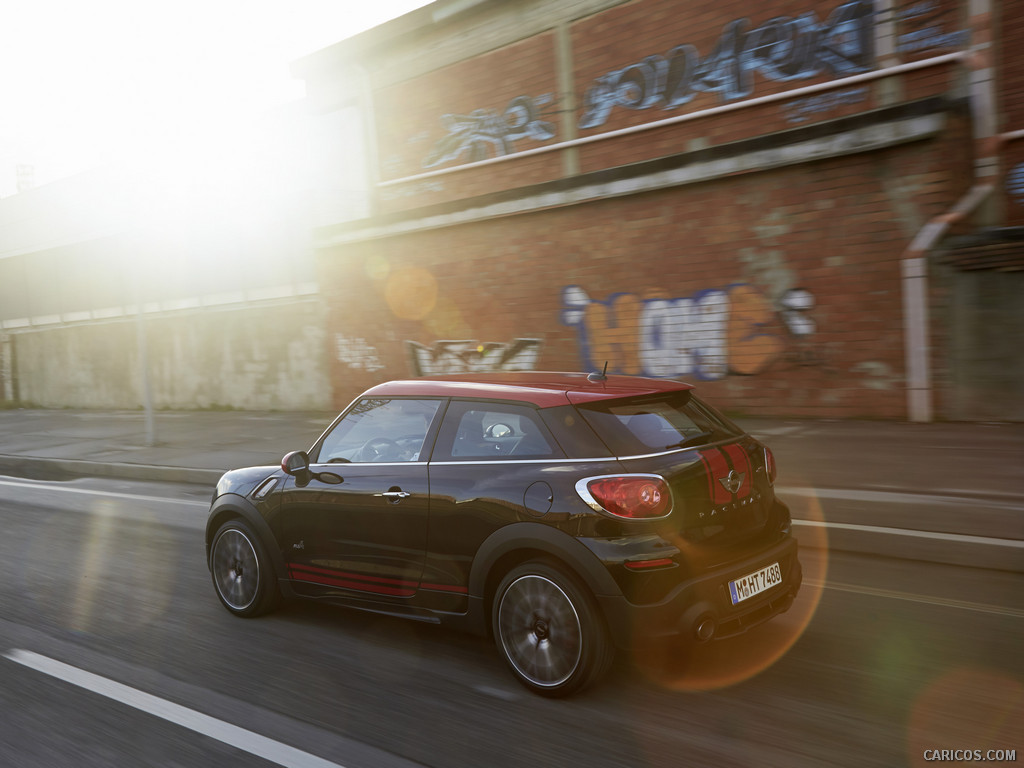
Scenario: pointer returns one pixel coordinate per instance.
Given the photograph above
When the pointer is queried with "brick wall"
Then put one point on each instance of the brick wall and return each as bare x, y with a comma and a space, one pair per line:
1011, 90
777, 291
507, 99
641, 62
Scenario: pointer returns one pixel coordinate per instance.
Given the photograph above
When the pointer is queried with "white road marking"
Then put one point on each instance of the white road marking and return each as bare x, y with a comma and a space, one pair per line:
43, 486
898, 497
944, 602
959, 538
240, 738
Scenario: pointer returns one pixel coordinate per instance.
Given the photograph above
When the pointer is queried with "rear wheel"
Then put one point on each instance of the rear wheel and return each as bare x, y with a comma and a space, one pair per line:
549, 630
242, 574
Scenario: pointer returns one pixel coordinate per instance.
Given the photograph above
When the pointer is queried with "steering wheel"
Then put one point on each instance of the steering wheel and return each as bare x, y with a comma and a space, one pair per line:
379, 449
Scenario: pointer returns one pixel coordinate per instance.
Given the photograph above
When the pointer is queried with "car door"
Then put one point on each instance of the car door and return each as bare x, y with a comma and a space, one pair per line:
367, 534
491, 461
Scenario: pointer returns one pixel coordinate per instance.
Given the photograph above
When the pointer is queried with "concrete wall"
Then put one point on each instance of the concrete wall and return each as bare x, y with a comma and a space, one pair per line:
258, 357
986, 324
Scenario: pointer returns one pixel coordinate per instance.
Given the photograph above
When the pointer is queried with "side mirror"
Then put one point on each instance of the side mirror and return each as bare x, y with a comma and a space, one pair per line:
296, 464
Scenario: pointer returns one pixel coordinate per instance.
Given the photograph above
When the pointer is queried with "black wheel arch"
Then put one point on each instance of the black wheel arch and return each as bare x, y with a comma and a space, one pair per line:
519, 542
231, 506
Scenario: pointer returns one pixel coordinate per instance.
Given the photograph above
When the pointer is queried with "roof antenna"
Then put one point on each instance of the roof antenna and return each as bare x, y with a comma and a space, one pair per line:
595, 376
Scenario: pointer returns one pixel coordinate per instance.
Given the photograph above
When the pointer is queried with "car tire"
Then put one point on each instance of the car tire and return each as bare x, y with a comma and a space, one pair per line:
242, 574
549, 630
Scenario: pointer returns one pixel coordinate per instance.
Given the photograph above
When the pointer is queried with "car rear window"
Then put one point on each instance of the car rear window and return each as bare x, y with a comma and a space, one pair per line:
492, 431
653, 423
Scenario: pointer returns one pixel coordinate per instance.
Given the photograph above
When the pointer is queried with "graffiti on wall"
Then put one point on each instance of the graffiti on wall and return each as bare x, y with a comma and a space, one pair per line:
473, 357
1015, 183
782, 49
357, 353
925, 24
707, 335
801, 110
487, 133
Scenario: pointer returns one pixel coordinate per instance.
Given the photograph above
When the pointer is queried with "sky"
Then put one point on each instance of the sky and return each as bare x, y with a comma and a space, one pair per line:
87, 83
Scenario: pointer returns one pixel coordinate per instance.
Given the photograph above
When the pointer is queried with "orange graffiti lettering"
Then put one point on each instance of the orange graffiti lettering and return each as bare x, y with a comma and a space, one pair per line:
612, 331
750, 347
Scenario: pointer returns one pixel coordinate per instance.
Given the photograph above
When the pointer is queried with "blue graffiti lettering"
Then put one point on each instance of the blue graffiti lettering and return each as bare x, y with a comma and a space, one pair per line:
484, 133
782, 49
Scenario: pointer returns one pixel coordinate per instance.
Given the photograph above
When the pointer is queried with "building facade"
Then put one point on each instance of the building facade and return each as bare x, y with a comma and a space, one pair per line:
808, 208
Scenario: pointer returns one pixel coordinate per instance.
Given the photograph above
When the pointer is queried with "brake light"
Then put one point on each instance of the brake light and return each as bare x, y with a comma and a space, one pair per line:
636, 497
640, 565
769, 465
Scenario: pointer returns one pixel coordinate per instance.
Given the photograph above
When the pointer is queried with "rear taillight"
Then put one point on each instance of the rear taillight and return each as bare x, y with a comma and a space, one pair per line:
636, 497
769, 465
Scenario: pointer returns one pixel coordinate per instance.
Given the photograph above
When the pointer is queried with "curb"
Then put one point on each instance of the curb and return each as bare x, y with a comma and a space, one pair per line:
61, 469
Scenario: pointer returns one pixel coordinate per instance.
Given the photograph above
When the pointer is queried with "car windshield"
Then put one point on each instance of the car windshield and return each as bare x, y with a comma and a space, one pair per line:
379, 430
656, 423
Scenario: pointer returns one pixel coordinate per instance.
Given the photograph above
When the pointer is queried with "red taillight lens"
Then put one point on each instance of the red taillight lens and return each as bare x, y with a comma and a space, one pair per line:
769, 465
633, 496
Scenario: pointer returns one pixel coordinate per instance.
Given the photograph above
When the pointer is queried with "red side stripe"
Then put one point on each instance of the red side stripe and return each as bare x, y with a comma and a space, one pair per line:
336, 578
361, 586
347, 575
717, 467
638, 565
741, 463
446, 588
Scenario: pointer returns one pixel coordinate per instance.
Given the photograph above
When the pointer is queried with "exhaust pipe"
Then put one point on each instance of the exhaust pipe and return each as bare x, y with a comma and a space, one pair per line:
704, 629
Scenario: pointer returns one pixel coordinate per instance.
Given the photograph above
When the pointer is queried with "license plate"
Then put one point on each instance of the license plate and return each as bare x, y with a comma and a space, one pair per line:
755, 583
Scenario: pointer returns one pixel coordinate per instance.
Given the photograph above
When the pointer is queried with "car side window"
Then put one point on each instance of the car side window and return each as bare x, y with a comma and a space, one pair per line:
489, 431
380, 430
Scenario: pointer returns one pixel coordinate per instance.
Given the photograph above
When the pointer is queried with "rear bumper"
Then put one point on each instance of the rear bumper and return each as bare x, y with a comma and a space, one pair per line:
705, 600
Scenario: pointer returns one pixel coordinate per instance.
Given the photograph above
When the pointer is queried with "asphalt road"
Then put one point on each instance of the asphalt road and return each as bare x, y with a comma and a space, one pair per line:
115, 652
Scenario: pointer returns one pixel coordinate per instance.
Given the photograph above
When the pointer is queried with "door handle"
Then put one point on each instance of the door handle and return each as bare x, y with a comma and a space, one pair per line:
394, 495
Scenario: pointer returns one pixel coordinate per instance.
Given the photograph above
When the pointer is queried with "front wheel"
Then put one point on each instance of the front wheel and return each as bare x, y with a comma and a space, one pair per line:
549, 630
242, 574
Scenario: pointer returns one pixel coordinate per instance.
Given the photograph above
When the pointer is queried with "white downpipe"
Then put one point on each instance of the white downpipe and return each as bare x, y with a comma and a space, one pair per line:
746, 103
916, 328
914, 260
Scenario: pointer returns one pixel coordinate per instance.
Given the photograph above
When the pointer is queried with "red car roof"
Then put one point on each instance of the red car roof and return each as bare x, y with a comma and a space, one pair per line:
541, 388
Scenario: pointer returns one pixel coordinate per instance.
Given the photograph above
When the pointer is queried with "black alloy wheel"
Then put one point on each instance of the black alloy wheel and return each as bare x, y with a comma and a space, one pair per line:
242, 574
549, 630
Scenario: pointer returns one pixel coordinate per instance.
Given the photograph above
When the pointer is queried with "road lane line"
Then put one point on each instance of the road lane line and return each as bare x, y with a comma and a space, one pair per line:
944, 602
959, 538
232, 735
900, 497
105, 494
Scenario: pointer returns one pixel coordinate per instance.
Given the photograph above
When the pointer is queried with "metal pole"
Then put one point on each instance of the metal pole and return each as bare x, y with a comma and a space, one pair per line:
147, 394
143, 351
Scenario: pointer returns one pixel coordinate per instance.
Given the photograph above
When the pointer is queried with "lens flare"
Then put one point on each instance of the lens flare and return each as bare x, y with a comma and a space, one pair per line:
96, 552
447, 322
688, 666
117, 580
411, 293
377, 267
969, 709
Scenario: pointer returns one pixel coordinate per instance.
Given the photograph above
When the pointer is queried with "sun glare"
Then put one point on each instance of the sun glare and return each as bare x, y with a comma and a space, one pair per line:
142, 86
